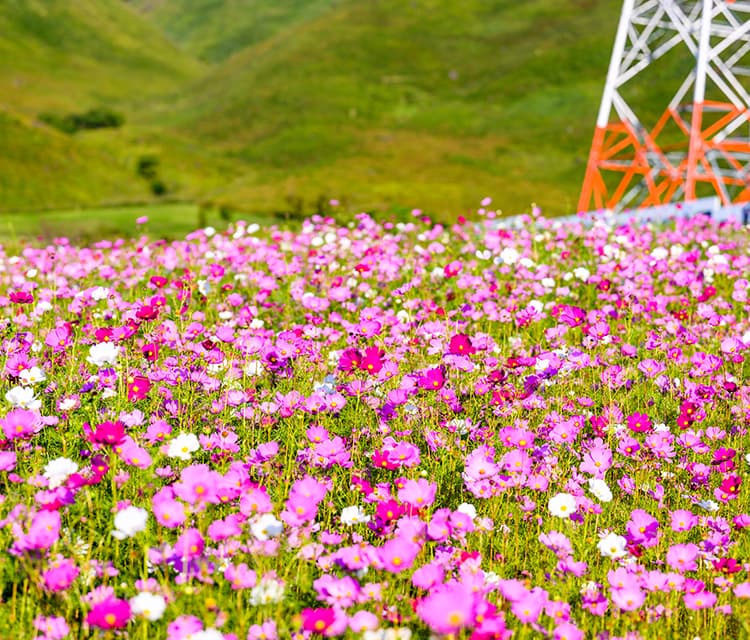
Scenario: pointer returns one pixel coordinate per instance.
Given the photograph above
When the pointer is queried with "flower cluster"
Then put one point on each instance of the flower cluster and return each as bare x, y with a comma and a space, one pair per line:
378, 430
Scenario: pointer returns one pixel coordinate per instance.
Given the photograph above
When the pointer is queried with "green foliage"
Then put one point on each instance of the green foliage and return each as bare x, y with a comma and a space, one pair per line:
147, 167
97, 118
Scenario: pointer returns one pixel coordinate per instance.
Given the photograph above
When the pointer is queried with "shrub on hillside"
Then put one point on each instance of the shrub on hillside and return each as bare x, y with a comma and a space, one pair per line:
96, 118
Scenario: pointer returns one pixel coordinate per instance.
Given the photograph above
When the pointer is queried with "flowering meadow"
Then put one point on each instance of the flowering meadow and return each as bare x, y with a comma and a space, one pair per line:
378, 431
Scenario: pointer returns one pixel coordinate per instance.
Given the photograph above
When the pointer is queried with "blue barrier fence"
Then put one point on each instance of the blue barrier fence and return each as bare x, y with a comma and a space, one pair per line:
710, 207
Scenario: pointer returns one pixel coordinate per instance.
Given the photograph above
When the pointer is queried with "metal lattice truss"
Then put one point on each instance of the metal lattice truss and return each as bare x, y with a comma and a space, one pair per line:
701, 143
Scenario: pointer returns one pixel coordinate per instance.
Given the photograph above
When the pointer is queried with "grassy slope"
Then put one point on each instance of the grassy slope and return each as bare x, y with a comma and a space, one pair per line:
170, 221
43, 168
384, 103
69, 56
213, 30
429, 103
57, 54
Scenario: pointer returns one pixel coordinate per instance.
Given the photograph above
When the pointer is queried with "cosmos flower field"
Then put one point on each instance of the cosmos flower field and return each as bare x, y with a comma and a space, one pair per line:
378, 431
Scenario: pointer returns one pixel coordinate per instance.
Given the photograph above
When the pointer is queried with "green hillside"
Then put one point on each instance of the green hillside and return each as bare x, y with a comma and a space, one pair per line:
65, 57
263, 105
57, 54
213, 30
428, 102
45, 168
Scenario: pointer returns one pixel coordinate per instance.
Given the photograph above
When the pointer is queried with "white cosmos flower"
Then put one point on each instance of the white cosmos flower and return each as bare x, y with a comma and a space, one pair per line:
23, 398
708, 505
266, 526
103, 353
563, 505
32, 376
354, 515
209, 633
391, 633
267, 591
613, 546
509, 255
99, 293
600, 489
469, 509
57, 471
149, 605
253, 368
182, 446
582, 273
129, 521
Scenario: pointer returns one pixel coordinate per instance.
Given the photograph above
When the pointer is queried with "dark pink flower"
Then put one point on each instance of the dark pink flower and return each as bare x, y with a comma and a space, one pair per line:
639, 423
460, 345
432, 379
109, 614
317, 620
138, 388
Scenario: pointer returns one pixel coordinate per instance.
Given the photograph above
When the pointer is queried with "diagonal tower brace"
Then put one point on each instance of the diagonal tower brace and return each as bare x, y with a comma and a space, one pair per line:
631, 164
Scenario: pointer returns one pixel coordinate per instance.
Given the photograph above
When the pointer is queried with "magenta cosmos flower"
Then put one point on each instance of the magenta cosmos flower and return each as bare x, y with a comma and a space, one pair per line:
112, 613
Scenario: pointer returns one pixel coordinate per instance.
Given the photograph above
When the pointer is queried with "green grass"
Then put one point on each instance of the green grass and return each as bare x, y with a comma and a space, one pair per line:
56, 54
167, 221
213, 30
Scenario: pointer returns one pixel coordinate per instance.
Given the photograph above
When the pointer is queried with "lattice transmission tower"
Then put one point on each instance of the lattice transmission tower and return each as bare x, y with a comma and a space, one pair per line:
700, 144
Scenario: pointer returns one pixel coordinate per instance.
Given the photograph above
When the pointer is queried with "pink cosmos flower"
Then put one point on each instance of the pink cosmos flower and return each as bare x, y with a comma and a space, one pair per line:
109, 433
699, 600
189, 545
460, 345
432, 379
198, 484
58, 339
265, 631
596, 461
529, 606
567, 631
317, 620
183, 627
20, 423
138, 388
52, 627
683, 520
449, 608
418, 493
109, 614
428, 576
8, 460
682, 557
60, 574
372, 362
398, 554
629, 598
639, 423
350, 359
168, 512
